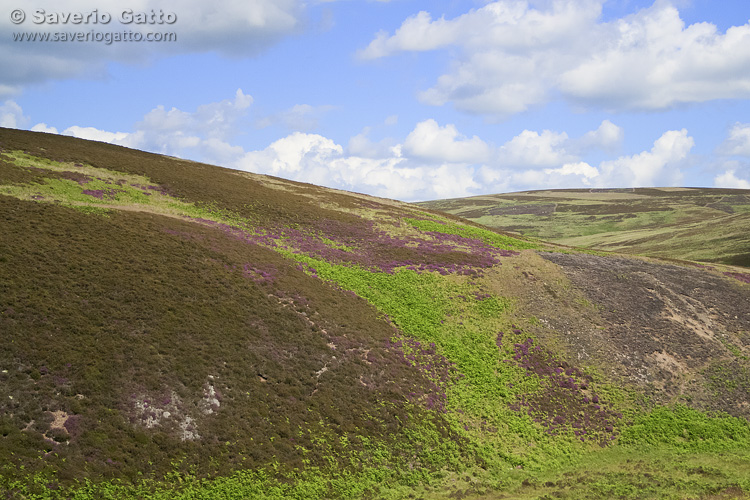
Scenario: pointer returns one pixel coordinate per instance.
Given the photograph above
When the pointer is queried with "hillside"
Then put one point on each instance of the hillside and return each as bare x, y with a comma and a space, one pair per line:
178, 330
699, 224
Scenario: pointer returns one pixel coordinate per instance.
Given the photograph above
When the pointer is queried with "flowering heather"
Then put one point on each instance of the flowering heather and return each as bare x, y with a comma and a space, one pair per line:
259, 275
364, 245
146, 189
101, 194
73, 425
566, 400
743, 277
78, 177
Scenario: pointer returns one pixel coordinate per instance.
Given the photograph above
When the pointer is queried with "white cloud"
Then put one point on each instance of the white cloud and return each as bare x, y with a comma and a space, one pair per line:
651, 60
417, 33
530, 148
581, 171
94, 134
535, 168
296, 156
658, 167
42, 127
430, 141
553, 149
608, 137
511, 53
316, 159
512, 56
361, 145
236, 28
208, 129
729, 180
398, 173
738, 142
11, 115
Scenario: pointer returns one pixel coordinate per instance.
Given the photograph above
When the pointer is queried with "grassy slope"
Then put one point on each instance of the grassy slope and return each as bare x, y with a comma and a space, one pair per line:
708, 225
172, 329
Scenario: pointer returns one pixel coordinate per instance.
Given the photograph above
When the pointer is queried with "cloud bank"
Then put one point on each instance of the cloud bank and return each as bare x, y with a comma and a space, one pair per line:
432, 161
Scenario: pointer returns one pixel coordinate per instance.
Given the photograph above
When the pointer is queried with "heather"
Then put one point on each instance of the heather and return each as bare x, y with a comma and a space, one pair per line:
173, 329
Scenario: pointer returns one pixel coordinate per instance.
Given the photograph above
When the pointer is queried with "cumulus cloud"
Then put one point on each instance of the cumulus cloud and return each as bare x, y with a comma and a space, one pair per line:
658, 167
546, 166
581, 171
433, 162
738, 141
729, 179
94, 134
608, 137
530, 148
11, 115
430, 141
236, 28
217, 120
512, 56
417, 33
43, 127
362, 145
316, 159
204, 133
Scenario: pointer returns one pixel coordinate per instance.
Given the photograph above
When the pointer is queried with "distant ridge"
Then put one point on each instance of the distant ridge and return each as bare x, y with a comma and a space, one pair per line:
699, 224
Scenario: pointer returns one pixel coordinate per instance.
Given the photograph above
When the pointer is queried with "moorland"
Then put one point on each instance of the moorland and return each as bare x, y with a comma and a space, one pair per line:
698, 224
177, 330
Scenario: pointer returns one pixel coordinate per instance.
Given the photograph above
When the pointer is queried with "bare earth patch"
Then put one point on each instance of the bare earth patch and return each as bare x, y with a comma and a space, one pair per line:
665, 325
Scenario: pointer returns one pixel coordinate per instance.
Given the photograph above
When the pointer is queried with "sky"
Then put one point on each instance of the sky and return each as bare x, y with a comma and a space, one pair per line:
406, 99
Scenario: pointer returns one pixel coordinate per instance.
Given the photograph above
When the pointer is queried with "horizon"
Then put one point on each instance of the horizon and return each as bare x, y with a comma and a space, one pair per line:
408, 100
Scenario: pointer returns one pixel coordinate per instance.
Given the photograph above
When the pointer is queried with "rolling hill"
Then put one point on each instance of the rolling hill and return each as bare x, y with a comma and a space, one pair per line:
699, 224
178, 330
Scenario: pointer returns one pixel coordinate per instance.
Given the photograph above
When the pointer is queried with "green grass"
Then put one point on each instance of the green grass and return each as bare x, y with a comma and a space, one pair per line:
490, 237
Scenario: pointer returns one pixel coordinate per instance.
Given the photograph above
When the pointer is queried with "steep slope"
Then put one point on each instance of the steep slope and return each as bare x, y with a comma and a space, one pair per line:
177, 330
701, 224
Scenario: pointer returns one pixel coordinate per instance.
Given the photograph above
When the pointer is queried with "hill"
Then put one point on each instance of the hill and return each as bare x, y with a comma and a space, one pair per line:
178, 330
699, 224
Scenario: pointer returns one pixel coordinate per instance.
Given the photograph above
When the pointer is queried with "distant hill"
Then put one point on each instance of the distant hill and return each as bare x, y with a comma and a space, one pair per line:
176, 330
700, 224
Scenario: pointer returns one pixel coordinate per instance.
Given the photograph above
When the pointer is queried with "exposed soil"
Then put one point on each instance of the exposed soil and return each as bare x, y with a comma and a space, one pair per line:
668, 328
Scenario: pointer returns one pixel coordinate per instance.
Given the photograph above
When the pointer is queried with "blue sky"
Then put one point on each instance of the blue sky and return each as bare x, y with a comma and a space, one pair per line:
405, 99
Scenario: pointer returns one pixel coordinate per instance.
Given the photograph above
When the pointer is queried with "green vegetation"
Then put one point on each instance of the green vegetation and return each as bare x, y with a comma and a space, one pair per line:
176, 330
495, 239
